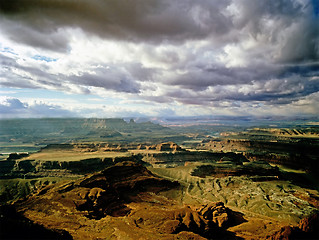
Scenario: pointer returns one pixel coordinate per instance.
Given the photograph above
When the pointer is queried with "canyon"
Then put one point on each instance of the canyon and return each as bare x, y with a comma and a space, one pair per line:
253, 184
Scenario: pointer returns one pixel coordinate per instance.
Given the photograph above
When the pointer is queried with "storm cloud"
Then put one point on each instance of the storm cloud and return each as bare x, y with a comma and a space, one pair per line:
148, 20
209, 53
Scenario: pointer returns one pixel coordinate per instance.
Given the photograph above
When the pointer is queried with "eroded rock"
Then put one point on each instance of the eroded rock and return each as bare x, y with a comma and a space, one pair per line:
124, 200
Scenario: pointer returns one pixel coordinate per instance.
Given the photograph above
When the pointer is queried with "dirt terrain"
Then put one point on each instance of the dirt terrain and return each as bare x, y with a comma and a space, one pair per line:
220, 189
126, 201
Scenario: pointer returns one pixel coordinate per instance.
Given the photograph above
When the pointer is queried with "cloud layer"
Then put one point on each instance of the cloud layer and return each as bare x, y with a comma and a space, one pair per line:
10, 107
212, 55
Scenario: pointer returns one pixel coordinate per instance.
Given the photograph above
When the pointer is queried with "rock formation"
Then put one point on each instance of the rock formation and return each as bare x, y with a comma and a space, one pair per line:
307, 229
286, 153
124, 202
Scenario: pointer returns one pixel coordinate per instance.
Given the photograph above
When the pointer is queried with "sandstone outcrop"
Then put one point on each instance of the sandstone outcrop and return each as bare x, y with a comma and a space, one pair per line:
113, 147
286, 153
15, 226
288, 233
28, 168
310, 225
106, 193
173, 159
124, 201
208, 221
307, 229
168, 146
216, 212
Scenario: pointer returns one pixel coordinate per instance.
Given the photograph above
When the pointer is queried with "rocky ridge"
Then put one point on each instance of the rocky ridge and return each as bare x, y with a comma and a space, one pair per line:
284, 153
127, 201
123, 201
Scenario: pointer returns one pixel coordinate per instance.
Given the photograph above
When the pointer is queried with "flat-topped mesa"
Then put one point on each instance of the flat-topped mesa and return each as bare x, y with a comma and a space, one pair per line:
284, 153
115, 147
168, 146
15, 156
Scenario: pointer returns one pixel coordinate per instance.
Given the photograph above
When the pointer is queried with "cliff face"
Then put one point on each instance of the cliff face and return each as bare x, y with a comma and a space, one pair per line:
42, 168
42, 164
168, 146
261, 171
181, 158
295, 154
20, 177
57, 162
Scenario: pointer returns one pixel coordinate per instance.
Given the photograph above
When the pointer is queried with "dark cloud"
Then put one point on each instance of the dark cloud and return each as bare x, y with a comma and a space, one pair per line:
303, 43
274, 91
54, 40
114, 78
139, 72
202, 77
306, 70
149, 20
253, 13
288, 24
108, 78
191, 52
40, 22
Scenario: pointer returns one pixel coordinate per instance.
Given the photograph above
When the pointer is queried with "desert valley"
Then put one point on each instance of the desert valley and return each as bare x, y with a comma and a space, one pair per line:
116, 179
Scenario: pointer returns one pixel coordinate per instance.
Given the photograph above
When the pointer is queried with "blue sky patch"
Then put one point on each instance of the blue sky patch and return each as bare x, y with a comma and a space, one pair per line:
44, 58
315, 4
7, 50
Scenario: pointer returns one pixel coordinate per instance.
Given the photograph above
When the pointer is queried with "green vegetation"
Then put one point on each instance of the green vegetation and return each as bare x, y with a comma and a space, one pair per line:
29, 135
13, 189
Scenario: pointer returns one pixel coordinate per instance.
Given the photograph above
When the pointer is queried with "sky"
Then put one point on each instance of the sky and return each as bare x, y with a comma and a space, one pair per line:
159, 58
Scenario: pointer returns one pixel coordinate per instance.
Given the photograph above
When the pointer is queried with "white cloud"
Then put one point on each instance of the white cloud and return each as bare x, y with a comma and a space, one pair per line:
14, 108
